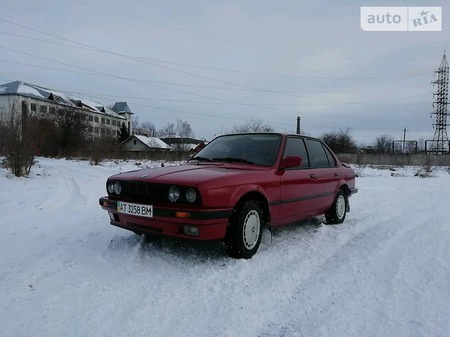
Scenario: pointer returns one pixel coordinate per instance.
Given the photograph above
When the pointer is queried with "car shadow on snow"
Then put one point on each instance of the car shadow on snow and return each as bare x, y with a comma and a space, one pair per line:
182, 248
312, 224
284, 234
157, 246
147, 246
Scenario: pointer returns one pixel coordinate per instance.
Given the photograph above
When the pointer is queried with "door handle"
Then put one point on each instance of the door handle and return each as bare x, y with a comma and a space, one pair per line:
336, 174
312, 176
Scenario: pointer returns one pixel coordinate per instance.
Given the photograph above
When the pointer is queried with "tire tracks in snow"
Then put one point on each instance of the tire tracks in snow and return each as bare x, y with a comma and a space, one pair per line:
394, 268
68, 192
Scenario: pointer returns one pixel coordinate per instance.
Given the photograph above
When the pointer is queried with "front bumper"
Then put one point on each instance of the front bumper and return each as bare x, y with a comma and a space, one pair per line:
211, 224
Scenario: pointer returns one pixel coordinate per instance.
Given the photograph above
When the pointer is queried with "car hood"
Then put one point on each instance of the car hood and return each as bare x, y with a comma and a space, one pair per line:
190, 174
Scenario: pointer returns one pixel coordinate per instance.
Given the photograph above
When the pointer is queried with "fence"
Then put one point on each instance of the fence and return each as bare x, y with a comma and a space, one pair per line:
420, 159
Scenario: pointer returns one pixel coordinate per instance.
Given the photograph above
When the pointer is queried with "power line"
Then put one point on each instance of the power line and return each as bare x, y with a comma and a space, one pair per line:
172, 69
92, 48
225, 117
149, 60
184, 30
205, 102
149, 84
231, 89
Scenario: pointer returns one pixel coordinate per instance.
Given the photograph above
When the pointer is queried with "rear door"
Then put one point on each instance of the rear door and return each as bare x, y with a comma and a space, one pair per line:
324, 169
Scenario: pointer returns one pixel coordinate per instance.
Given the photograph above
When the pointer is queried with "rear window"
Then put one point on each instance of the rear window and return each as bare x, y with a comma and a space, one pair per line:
317, 155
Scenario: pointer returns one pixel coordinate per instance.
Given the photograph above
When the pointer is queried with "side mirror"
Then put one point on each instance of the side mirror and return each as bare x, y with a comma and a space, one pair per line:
291, 161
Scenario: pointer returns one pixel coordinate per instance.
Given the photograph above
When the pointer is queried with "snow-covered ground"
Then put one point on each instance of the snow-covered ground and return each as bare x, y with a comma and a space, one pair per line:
64, 271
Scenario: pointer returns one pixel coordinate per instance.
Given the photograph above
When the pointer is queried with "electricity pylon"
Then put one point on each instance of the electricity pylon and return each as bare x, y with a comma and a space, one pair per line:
440, 138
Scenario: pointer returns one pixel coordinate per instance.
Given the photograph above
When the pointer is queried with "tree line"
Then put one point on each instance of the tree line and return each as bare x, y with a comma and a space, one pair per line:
24, 136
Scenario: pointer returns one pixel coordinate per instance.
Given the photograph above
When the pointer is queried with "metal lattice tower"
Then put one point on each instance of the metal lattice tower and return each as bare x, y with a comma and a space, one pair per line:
440, 138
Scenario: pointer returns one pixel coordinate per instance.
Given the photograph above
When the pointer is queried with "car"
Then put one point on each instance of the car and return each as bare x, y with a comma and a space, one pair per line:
232, 189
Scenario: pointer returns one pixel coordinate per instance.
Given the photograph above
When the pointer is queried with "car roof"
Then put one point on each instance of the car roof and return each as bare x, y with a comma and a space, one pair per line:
282, 134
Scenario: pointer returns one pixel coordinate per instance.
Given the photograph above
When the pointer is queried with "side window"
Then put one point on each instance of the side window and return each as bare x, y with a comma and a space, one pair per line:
331, 158
317, 154
296, 147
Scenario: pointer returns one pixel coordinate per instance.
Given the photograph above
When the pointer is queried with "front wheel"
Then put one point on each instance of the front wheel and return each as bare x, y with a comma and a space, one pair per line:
245, 231
336, 213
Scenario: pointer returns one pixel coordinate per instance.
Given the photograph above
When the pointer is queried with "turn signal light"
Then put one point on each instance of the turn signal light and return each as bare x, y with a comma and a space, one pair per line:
183, 215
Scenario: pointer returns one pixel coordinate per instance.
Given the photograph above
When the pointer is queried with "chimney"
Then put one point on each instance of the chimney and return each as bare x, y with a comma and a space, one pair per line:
298, 125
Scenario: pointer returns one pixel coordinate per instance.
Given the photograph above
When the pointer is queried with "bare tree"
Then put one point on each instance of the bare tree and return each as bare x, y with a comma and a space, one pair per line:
135, 121
44, 131
72, 130
340, 141
167, 131
102, 147
18, 138
145, 128
383, 144
148, 127
253, 125
184, 131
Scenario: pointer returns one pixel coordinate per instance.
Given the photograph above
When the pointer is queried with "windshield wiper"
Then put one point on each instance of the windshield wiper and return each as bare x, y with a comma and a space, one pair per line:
199, 158
232, 159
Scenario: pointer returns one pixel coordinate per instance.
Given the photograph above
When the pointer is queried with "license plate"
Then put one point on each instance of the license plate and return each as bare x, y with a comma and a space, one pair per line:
135, 209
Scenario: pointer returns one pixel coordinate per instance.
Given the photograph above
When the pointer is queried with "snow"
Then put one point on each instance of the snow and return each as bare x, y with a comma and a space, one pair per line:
152, 142
28, 90
64, 271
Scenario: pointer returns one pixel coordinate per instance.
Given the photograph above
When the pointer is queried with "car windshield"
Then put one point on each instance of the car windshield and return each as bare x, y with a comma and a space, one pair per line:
257, 149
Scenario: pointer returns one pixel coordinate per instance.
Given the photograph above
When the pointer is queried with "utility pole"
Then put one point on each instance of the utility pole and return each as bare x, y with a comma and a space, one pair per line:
404, 140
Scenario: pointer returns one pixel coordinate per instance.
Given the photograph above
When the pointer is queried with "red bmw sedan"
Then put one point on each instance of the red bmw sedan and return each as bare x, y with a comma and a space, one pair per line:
233, 188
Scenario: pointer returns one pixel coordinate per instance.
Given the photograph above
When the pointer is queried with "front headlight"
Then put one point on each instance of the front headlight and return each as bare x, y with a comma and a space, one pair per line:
174, 193
117, 188
110, 188
191, 195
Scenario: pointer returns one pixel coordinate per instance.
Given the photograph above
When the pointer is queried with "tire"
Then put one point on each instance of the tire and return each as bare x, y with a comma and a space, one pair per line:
245, 231
337, 212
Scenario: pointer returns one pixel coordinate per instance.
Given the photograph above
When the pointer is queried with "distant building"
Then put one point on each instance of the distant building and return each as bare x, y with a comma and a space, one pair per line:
139, 143
49, 103
123, 109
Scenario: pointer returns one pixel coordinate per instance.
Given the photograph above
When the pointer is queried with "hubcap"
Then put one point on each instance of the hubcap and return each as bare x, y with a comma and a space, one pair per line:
251, 229
340, 206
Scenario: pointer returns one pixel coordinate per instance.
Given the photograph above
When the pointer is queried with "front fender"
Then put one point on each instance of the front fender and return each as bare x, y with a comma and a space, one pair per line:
240, 191
229, 196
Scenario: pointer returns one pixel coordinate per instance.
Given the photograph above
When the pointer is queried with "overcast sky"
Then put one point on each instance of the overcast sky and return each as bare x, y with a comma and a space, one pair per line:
220, 63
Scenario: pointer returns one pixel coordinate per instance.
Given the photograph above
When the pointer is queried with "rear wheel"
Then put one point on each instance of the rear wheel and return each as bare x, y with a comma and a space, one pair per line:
245, 231
337, 212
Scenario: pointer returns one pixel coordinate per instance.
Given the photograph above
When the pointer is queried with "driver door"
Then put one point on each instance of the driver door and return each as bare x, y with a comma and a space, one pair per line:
298, 185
